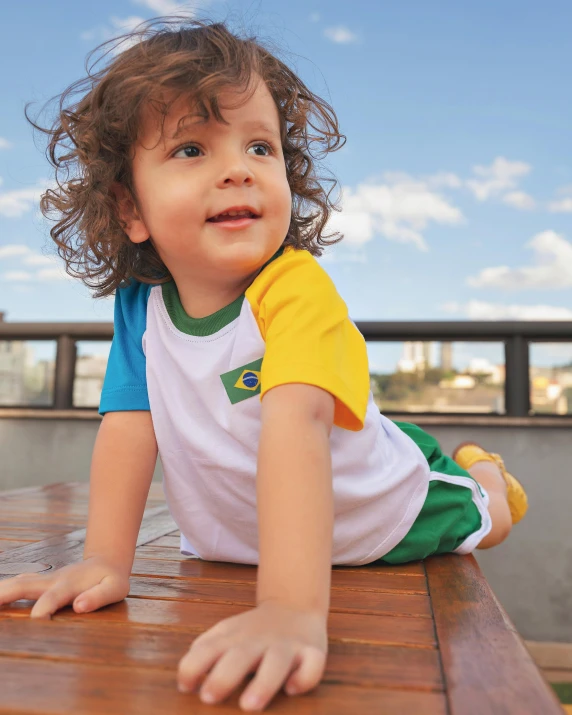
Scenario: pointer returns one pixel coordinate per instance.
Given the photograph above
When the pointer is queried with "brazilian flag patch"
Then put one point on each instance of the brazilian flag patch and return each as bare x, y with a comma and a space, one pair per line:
243, 382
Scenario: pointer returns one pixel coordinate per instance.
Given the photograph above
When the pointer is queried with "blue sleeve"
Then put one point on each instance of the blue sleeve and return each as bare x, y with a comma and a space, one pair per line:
125, 383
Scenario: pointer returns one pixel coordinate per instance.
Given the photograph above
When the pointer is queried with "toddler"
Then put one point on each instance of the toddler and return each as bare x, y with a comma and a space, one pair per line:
194, 199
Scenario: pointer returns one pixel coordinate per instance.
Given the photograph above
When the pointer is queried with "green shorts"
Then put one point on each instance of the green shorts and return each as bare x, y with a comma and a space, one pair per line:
454, 517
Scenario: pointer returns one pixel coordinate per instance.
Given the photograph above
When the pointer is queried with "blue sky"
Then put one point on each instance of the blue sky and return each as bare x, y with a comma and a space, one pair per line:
457, 172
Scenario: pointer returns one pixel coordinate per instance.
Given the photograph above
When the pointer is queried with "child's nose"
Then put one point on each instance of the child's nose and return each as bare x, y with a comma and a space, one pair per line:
237, 171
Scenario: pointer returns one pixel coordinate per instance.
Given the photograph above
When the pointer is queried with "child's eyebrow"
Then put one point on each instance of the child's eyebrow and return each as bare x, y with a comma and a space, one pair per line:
256, 124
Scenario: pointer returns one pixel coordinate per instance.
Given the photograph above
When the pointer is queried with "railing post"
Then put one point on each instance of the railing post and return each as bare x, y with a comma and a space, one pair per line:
517, 378
65, 373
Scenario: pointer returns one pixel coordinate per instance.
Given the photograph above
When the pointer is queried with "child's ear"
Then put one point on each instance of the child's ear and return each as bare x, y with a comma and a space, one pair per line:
128, 214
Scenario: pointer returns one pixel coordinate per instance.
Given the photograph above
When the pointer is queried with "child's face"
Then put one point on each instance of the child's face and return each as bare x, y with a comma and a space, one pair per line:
209, 168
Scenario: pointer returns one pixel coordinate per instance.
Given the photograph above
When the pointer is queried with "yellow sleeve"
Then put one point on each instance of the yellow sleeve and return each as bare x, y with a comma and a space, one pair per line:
309, 337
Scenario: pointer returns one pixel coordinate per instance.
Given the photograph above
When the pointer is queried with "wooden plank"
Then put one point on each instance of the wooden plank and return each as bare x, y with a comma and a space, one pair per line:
487, 668
208, 570
557, 676
29, 535
166, 541
6, 544
23, 525
62, 550
35, 506
375, 603
366, 665
550, 654
72, 688
198, 616
414, 568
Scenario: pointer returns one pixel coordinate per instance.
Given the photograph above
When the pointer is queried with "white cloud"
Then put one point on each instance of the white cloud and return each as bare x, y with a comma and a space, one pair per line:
17, 276
19, 201
14, 249
126, 24
444, 179
399, 209
553, 269
520, 200
340, 34
563, 205
120, 26
341, 257
164, 7
38, 260
500, 176
55, 271
45, 275
480, 310
123, 25
4, 143
53, 274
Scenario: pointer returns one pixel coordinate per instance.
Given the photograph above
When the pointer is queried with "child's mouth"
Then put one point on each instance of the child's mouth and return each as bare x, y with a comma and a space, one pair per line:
225, 217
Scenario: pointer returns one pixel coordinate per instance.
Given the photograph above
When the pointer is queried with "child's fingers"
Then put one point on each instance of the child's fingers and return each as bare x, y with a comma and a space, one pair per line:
199, 660
309, 673
229, 671
103, 593
28, 587
275, 667
58, 596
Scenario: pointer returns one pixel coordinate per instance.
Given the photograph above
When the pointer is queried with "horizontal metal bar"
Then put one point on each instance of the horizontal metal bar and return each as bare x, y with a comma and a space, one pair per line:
52, 331
466, 330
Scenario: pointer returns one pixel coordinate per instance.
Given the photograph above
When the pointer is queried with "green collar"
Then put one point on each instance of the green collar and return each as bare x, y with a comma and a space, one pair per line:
210, 324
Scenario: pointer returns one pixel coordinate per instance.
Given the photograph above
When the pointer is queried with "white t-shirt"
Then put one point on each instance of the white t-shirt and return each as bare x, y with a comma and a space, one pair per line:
204, 379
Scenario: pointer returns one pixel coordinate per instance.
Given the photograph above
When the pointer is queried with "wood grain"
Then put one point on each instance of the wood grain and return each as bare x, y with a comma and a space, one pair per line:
487, 668
154, 565
198, 616
74, 688
366, 665
343, 601
421, 638
62, 550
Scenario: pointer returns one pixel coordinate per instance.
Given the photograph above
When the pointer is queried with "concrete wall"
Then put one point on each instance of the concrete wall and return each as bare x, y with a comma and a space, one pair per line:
531, 573
34, 452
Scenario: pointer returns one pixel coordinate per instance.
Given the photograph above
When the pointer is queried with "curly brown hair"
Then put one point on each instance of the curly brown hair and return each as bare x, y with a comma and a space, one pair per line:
91, 141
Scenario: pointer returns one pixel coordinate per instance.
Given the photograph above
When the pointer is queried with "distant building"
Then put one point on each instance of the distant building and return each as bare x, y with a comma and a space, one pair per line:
23, 379
446, 361
89, 376
482, 366
13, 358
416, 357
459, 382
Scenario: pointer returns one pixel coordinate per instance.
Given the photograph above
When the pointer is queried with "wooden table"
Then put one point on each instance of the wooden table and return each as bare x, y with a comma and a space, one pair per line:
424, 638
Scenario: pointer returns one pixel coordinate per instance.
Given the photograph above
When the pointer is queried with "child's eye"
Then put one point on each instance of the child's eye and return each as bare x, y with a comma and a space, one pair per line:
188, 151
265, 146
192, 151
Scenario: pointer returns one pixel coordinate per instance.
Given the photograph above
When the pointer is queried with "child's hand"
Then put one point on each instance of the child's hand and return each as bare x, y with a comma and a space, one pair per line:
89, 585
280, 643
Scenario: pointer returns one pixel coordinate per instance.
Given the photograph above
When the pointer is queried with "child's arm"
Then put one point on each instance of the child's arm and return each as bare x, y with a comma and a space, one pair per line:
284, 638
295, 499
123, 461
122, 466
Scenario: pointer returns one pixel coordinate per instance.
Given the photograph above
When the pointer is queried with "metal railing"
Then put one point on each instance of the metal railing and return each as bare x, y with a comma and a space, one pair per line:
516, 336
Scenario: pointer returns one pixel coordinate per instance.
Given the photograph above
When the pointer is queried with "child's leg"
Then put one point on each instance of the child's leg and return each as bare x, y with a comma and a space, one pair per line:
489, 476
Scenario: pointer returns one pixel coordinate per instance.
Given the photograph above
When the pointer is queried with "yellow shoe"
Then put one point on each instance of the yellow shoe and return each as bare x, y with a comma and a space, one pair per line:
468, 453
